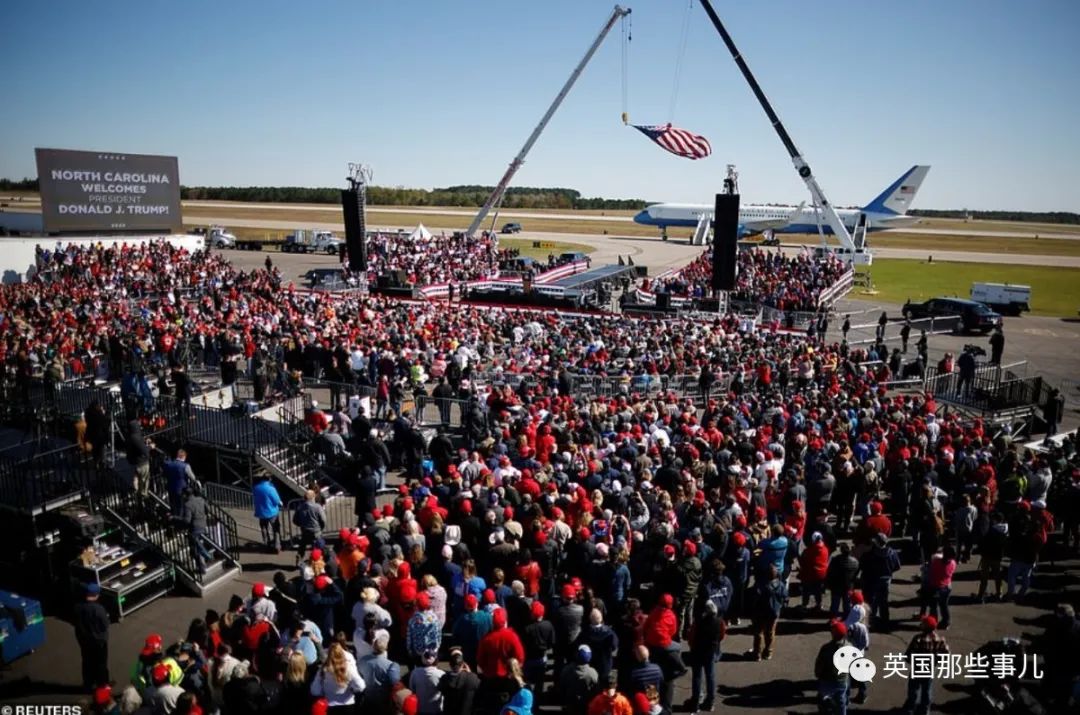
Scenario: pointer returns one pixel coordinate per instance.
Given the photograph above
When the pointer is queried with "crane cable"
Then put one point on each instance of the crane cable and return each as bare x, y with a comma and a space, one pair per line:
684, 37
627, 36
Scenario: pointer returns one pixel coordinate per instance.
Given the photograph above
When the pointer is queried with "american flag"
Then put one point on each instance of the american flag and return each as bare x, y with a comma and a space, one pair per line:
678, 141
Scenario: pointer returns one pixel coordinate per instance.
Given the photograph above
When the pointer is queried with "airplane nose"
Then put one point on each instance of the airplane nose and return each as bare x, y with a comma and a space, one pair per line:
642, 216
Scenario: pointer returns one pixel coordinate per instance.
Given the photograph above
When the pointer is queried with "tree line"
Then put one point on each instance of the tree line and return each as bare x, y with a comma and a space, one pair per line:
517, 197
1063, 217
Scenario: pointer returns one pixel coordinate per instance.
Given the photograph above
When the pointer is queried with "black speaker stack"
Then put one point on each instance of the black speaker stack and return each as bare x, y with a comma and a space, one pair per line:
725, 241
352, 205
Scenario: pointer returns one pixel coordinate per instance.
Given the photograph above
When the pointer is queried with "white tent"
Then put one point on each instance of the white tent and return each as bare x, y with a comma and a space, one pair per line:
420, 233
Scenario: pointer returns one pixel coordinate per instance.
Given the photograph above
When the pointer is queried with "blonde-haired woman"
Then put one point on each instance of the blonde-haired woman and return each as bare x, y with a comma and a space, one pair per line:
437, 594
339, 682
295, 686
381, 620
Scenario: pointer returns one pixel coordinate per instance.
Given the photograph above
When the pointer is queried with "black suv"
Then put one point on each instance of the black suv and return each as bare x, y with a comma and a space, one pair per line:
974, 317
511, 228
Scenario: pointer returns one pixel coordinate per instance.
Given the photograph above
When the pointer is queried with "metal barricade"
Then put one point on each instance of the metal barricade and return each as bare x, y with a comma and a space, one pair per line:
445, 411
340, 513
229, 497
866, 333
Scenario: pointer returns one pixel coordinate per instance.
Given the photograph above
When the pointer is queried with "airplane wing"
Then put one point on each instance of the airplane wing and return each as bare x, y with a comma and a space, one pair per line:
752, 227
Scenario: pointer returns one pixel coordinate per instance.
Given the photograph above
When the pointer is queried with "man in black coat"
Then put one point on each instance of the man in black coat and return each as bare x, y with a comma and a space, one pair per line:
193, 517
997, 346
458, 686
251, 695
839, 579
441, 450
92, 634
704, 655
602, 642
366, 489
97, 431
538, 639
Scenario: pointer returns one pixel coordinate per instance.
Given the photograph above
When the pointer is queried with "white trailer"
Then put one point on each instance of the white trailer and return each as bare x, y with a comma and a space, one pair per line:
1005, 298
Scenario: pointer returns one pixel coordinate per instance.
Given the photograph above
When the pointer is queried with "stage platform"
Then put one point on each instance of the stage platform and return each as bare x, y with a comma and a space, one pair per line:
582, 281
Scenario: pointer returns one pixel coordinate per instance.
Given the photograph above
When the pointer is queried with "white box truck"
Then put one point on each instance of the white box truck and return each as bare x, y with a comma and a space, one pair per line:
1005, 298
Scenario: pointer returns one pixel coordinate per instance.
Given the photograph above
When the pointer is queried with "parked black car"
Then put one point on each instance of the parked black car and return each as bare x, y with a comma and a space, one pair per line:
511, 228
974, 317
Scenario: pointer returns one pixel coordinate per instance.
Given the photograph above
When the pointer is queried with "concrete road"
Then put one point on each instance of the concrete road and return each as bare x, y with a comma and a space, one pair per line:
511, 214
668, 253
1049, 346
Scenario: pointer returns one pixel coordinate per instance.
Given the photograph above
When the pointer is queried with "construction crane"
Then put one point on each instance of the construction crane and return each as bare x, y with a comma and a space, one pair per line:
852, 250
496, 196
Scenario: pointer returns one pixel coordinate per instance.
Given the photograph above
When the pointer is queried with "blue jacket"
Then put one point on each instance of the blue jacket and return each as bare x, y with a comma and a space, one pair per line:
267, 500
770, 597
469, 629
521, 703
773, 551
176, 475
719, 591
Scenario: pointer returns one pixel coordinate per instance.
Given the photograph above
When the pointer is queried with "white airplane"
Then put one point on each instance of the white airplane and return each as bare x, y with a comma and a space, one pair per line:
888, 210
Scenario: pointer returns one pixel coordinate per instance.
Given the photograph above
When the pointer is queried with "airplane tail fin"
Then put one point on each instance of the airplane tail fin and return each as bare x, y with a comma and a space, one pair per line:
898, 197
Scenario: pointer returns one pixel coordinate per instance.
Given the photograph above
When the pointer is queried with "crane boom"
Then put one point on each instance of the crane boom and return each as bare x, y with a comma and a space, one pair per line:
496, 195
851, 252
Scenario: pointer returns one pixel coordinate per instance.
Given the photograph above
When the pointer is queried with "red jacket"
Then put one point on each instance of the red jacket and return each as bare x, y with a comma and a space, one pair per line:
660, 627
604, 705
530, 574
495, 651
813, 563
871, 526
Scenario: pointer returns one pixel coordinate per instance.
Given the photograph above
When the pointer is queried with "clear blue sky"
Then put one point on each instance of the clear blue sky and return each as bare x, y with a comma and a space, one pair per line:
435, 93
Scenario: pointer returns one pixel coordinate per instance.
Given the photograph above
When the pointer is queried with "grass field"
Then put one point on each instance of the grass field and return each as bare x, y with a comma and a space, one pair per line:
960, 225
1054, 291
974, 244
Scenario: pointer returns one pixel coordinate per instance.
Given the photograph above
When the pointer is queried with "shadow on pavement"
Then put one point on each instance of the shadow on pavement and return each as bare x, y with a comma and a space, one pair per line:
773, 694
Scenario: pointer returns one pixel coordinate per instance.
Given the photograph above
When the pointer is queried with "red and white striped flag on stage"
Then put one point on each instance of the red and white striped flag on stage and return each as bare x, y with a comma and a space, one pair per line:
678, 141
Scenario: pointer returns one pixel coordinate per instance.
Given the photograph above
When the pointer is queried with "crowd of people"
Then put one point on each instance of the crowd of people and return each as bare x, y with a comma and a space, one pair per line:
440, 259
583, 550
588, 553
770, 278
153, 306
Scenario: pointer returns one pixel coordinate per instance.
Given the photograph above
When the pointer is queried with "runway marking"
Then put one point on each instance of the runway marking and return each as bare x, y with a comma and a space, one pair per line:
1047, 333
